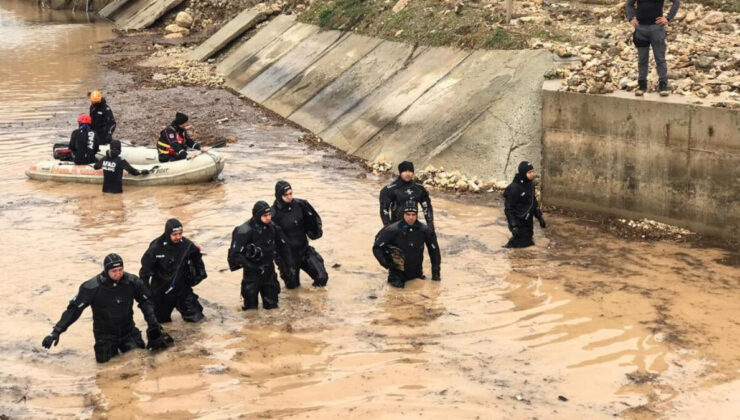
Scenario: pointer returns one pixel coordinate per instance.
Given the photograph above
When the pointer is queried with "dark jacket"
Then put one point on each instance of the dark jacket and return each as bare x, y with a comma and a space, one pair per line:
113, 172
173, 143
268, 239
84, 145
410, 240
298, 221
167, 265
649, 10
112, 306
520, 201
394, 195
103, 122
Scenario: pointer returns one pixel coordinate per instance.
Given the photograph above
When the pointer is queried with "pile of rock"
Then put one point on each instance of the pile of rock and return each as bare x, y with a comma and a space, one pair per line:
440, 179
180, 28
187, 72
651, 228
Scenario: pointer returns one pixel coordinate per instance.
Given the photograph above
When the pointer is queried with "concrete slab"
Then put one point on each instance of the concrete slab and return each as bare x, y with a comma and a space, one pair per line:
440, 117
139, 14
242, 22
112, 8
264, 58
331, 65
510, 130
362, 122
258, 41
290, 65
353, 85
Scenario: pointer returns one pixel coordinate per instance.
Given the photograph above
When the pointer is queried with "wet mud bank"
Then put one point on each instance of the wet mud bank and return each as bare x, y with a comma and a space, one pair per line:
583, 325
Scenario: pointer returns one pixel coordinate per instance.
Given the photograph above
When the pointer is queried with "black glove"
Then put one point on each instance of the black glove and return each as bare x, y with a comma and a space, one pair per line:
435, 275
50, 339
542, 223
198, 278
157, 339
145, 172
515, 230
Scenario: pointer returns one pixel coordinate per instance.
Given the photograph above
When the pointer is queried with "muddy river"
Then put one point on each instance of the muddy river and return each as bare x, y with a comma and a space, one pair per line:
583, 325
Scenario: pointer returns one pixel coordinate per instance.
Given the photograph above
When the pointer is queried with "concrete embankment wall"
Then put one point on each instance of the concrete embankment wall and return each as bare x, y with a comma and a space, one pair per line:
661, 159
476, 111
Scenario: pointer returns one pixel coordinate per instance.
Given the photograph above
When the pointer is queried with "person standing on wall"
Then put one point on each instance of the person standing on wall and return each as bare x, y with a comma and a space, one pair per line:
646, 16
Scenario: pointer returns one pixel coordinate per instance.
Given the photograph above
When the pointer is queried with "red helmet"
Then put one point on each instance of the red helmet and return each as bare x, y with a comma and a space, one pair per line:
84, 119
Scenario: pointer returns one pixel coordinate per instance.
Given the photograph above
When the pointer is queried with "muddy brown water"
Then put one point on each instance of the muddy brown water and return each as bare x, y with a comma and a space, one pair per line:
639, 330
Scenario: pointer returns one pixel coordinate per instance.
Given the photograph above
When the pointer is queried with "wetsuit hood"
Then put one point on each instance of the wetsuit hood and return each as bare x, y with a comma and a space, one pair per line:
521, 175
281, 188
111, 261
115, 149
260, 208
172, 225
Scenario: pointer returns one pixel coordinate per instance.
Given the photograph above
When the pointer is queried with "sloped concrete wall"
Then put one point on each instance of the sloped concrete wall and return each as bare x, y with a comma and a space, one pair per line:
664, 160
137, 14
476, 111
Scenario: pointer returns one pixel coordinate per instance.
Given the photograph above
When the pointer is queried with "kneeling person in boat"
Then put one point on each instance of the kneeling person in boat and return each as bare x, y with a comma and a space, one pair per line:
113, 166
84, 142
171, 267
174, 140
111, 295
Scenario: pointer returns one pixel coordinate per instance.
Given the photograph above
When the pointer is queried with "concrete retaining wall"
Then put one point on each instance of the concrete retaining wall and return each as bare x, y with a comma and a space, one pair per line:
478, 112
661, 159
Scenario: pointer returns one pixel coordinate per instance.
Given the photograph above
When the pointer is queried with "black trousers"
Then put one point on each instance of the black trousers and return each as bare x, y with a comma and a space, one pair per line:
181, 298
265, 284
525, 236
309, 261
103, 136
108, 346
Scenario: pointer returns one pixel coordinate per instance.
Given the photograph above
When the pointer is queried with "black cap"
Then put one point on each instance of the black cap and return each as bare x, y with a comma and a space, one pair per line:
180, 119
281, 188
410, 206
405, 166
112, 261
260, 208
172, 225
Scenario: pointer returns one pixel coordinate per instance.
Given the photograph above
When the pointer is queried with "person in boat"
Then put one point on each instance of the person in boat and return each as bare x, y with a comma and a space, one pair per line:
393, 196
113, 166
84, 142
174, 140
171, 267
299, 222
111, 295
521, 207
254, 247
103, 122
399, 248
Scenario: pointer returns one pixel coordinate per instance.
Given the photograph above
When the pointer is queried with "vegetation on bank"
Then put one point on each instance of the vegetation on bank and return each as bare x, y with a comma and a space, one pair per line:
427, 22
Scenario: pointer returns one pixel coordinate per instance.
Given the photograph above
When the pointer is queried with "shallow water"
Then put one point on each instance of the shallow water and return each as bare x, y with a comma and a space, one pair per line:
637, 329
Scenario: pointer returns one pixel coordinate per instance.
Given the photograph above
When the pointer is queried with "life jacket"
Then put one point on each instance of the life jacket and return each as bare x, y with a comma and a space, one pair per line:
164, 147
